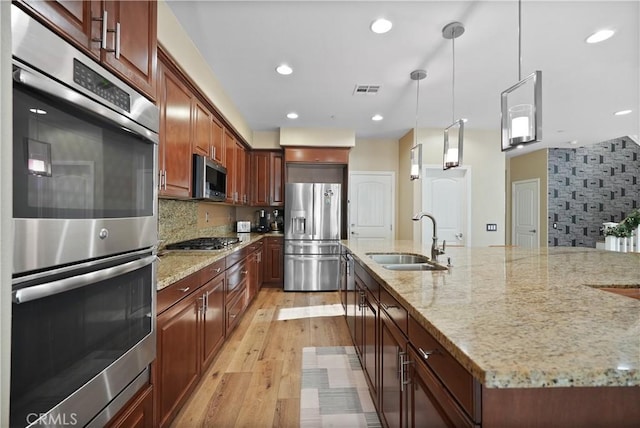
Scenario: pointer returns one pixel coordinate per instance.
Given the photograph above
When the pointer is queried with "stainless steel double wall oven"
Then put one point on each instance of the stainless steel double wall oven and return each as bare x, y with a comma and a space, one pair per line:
85, 222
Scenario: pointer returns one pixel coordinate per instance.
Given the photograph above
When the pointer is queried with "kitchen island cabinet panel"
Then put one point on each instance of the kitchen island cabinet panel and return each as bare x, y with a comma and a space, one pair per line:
393, 355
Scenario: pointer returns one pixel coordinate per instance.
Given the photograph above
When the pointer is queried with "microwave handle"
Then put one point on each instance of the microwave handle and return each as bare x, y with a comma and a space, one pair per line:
36, 292
49, 86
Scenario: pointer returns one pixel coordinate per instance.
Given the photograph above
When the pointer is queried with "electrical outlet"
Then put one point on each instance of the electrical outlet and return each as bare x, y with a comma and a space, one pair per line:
492, 227
555, 225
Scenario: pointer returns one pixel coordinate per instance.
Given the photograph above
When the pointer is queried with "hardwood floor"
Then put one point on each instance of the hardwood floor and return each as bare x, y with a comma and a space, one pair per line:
255, 379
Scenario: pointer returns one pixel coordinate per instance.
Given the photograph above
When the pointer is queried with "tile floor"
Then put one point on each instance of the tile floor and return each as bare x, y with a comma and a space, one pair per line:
334, 391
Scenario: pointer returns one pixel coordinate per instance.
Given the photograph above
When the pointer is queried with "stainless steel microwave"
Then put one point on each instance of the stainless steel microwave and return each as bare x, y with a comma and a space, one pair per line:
209, 179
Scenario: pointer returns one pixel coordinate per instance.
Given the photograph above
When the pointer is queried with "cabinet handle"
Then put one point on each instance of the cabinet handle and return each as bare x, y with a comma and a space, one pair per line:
203, 308
232, 315
426, 354
106, 30
218, 270
184, 290
404, 376
103, 30
244, 272
118, 40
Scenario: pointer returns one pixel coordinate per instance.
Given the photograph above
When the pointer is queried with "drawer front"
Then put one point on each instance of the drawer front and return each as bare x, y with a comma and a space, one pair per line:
234, 311
177, 291
372, 284
455, 378
236, 256
211, 271
394, 309
236, 277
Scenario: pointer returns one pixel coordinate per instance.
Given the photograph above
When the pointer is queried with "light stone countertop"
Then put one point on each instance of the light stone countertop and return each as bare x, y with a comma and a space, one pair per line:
174, 265
518, 318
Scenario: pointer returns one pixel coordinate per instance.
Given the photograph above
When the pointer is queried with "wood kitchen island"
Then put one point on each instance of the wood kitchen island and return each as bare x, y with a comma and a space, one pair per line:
504, 337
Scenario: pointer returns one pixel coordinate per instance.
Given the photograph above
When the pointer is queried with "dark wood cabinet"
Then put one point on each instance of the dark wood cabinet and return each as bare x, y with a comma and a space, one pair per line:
174, 153
202, 130
255, 269
190, 331
273, 269
217, 141
393, 373
366, 333
138, 413
236, 170
213, 323
178, 357
129, 49
134, 42
337, 155
267, 178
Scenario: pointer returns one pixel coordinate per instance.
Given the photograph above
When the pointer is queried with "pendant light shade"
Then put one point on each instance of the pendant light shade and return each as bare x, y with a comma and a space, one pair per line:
521, 105
416, 150
454, 133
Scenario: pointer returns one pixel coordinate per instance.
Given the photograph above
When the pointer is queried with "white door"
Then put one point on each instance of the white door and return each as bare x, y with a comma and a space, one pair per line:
525, 197
371, 205
445, 195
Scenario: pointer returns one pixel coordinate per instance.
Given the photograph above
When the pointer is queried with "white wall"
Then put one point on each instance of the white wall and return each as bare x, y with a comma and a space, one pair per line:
487, 162
317, 137
177, 43
266, 140
6, 238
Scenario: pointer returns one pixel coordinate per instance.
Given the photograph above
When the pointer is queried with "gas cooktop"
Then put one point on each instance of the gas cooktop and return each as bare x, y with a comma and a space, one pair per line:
209, 243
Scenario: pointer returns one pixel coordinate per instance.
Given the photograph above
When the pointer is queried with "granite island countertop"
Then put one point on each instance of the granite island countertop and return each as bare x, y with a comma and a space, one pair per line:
518, 318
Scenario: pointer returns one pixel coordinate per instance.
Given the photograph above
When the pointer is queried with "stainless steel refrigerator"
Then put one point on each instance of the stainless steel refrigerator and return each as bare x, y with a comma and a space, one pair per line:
312, 237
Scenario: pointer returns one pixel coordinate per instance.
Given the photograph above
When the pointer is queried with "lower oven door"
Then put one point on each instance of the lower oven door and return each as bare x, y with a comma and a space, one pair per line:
78, 339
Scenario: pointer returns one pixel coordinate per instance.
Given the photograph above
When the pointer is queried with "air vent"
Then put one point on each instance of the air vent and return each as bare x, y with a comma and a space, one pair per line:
366, 89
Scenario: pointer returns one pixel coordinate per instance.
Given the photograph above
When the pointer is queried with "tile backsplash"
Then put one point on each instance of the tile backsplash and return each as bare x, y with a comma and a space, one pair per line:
181, 220
591, 185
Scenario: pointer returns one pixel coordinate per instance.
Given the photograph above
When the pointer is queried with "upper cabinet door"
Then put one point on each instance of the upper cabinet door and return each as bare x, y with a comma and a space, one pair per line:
202, 130
132, 36
218, 142
77, 21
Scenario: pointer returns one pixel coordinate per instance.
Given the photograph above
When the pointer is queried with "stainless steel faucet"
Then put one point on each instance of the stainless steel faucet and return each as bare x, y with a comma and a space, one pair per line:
435, 251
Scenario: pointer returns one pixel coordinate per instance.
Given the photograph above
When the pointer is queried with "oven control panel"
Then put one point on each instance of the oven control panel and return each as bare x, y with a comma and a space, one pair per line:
89, 79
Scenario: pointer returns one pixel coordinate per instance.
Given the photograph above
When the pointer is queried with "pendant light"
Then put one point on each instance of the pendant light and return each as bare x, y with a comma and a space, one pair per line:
416, 150
521, 105
454, 133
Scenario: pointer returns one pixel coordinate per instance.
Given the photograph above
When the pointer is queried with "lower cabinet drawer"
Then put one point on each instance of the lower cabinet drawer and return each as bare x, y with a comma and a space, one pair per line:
236, 277
460, 383
234, 310
394, 309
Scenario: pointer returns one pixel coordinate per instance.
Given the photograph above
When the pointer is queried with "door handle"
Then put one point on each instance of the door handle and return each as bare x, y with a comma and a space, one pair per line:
533, 231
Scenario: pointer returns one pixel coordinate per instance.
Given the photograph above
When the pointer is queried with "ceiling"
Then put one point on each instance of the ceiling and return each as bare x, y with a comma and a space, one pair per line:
331, 49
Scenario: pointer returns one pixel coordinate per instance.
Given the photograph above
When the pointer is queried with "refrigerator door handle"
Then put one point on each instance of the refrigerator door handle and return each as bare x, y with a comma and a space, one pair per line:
320, 257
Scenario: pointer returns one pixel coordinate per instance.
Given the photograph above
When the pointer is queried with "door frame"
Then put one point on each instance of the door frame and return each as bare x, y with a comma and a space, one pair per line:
514, 204
467, 179
392, 174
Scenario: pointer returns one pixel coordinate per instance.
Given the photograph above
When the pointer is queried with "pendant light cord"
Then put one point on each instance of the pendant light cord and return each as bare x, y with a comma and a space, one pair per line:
453, 79
415, 131
519, 40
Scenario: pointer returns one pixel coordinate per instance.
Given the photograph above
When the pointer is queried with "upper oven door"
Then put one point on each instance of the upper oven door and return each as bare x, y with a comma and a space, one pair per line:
84, 155
83, 187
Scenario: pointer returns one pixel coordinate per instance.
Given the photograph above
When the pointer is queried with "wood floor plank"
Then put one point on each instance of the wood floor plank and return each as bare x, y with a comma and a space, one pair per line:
262, 395
254, 380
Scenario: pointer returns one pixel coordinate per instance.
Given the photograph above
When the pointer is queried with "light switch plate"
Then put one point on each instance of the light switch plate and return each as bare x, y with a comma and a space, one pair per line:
492, 227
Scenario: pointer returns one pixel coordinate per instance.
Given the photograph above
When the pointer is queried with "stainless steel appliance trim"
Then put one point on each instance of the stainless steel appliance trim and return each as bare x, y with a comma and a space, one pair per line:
62, 270
119, 402
318, 257
46, 242
311, 247
41, 49
89, 400
55, 287
41, 82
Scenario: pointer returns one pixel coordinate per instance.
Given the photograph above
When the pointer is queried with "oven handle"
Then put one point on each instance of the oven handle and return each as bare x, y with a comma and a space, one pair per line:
50, 288
40, 82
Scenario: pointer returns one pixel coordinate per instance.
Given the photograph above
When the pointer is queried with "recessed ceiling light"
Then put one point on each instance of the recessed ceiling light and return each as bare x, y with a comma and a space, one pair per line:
573, 142
284, 69
600, 36
464, 119
381, 26
622, 112
37, 111
377, 117
292, 115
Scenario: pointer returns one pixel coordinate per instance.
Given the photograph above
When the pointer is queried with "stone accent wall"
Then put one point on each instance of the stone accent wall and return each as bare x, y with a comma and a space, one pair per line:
591, 185
182, 220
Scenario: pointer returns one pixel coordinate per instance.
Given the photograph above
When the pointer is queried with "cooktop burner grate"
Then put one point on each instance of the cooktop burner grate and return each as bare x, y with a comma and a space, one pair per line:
210, 243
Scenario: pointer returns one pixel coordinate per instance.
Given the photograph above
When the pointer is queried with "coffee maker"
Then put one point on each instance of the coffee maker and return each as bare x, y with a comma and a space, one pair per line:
277, 223
262, 221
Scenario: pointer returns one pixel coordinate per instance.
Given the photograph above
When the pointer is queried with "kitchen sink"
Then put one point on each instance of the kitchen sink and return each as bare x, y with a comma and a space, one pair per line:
397, 258
404, 262
414, 266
